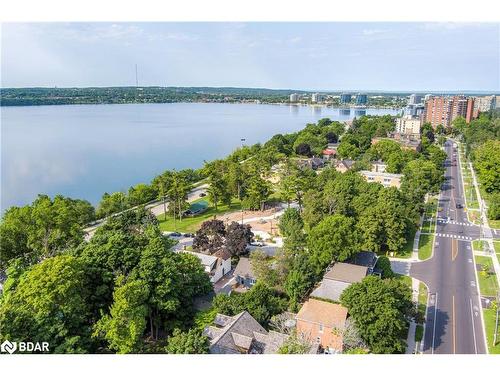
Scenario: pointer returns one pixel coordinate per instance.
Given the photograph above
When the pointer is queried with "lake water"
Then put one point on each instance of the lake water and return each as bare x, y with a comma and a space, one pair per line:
82, 151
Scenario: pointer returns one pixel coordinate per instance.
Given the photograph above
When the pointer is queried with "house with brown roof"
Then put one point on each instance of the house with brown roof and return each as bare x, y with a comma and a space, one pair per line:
242, 334
322, 323
337, 279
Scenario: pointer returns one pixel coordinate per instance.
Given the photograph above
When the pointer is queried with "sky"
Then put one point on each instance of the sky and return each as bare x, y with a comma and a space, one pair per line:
307, 56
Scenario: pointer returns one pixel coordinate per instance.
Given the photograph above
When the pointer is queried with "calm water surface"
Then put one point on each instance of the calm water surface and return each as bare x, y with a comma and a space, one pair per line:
82, 151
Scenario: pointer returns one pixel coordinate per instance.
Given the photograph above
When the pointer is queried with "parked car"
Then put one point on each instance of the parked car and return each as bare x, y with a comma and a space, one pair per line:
257, 243
175, 234
203, 194
189, 235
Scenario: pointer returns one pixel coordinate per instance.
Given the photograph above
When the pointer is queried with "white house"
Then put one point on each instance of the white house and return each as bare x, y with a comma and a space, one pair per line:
216, 266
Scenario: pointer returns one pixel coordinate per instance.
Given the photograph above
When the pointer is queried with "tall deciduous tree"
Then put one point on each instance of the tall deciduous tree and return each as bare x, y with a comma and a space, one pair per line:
126, 322
381, 310
335, 238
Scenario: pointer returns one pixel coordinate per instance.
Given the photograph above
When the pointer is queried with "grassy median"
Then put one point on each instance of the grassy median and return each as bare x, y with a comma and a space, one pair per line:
425, 246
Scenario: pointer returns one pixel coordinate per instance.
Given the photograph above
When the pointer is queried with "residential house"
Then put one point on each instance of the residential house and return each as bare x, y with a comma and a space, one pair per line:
337, 279
244, 273
322, 322
313, 163
242, 334
366, 259
378, 166
329, 154
344, 165
216, 265
386, 179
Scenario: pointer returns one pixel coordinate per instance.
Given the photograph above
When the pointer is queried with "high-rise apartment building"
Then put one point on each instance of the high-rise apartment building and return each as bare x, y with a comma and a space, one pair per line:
442, 110
317, 98
415, 99
294, 98
345, 98
361, 99
484, 103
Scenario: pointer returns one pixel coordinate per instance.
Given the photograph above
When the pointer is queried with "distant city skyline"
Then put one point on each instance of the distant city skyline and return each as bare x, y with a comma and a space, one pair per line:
364, 57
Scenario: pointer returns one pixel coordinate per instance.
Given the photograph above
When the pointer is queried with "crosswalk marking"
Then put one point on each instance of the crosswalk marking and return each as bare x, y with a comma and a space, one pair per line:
455, 236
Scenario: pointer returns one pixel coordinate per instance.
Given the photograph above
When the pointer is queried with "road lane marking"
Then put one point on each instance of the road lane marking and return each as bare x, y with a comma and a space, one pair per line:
434, 328
453, 325
473, 328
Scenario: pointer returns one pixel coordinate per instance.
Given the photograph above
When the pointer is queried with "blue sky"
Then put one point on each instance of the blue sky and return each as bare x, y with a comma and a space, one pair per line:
315, 56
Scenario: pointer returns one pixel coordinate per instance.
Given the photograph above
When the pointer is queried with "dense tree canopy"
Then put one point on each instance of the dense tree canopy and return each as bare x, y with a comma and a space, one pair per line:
381, 310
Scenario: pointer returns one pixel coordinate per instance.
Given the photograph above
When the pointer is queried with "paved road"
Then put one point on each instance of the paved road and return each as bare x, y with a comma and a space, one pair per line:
156, 208
454, 322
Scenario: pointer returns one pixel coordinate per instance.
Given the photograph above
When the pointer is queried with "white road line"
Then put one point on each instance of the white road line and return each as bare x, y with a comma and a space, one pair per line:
473, 328
434, 328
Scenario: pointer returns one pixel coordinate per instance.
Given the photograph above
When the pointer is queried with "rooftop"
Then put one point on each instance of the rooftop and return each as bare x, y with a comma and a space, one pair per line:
244, 269
347, 273
381, 174
326, 313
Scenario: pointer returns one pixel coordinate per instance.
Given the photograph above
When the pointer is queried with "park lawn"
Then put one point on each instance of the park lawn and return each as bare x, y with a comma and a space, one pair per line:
489, 316
487, 280
192, 224
425, 246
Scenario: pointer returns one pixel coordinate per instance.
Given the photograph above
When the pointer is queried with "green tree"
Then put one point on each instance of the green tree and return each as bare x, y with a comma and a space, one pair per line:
381, 310
487, 163
49, 304
111, 203
190, 342
335, 238
124, 327
140, 194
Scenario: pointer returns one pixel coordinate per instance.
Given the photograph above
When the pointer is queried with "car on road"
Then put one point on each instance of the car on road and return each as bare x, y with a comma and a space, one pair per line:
458, 205
175, 234
189, 235
257, 243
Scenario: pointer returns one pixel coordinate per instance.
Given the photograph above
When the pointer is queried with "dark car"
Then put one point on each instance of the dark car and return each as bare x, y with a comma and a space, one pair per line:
458, 205
203, 195
175, 234
191, 235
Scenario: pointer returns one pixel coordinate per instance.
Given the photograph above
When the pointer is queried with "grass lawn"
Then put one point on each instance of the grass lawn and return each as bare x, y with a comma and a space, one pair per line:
489, 322
404, 279
192, 224
407, 248
487, 279
476, 245
496, 244
495, 224
425, 246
